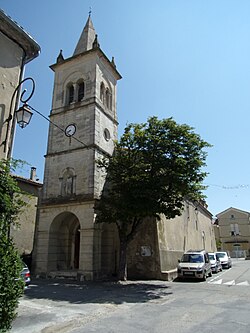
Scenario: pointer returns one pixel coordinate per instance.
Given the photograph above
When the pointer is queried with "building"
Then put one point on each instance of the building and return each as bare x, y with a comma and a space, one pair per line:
68, 241
17, 48
234, 231
154, 253
23, 232
84, 105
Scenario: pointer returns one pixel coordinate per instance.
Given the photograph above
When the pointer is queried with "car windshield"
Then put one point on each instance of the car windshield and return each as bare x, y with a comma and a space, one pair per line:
221, 254
211, 256
192, 258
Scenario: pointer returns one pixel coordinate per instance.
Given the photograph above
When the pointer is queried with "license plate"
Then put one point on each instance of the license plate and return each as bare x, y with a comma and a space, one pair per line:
188, 273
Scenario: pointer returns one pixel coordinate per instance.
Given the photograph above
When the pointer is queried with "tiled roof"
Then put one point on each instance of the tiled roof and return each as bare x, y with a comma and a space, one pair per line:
15, 32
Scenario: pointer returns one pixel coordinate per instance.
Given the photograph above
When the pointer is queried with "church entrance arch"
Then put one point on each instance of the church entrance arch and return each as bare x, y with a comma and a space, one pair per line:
64, 242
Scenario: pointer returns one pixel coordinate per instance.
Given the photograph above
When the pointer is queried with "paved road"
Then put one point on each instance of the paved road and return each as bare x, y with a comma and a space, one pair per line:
239, 276
139, 306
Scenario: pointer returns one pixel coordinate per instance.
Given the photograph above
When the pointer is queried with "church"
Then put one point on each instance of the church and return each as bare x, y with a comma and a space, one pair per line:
83, 128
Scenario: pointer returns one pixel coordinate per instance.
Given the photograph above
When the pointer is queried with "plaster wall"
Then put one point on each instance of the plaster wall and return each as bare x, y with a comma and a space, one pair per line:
192, 230
238, 221
10, 66
23, 232
242, 219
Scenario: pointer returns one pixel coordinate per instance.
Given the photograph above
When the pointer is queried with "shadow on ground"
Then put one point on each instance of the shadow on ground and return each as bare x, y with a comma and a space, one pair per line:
96, 292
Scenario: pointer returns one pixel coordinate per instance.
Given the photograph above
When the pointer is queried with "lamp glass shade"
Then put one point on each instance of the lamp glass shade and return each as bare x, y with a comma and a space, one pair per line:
23, 116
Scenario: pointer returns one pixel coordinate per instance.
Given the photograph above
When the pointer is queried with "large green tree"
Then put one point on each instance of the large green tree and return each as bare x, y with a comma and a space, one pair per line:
154, 167
11, 286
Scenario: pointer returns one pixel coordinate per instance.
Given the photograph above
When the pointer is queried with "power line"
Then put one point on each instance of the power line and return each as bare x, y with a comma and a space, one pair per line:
60, 128
233, 187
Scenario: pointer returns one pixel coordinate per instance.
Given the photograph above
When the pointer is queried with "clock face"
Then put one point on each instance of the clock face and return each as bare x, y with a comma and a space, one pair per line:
70, 130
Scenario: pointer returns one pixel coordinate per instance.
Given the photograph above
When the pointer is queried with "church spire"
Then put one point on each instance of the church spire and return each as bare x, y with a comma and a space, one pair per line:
87, 38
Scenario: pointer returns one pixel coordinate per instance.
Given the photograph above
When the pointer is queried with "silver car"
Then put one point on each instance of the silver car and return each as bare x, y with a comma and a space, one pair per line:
194, 264
215, 262
25, 274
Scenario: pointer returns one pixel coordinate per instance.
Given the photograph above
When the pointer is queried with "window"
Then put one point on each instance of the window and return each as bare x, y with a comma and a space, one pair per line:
106, 134
108, 98
198, 258
196, 224
80, 93
110, 101
70, 94
234, 229
2, 114
102, 92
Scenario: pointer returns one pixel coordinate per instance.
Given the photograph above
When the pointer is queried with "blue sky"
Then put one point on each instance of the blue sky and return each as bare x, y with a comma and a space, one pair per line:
186, 59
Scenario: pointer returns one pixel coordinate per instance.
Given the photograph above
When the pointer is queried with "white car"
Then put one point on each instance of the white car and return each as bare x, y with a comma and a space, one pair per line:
225, 259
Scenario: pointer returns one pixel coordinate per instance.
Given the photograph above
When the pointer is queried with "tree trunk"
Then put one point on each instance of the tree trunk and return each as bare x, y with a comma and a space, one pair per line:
122, 273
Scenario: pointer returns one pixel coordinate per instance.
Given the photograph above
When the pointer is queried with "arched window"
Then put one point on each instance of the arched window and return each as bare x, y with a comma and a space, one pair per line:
107, 97
70, 93
102, 92
80, 93
110, 101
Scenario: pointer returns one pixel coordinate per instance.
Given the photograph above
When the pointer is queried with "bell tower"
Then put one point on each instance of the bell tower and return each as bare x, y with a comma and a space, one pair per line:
83, 128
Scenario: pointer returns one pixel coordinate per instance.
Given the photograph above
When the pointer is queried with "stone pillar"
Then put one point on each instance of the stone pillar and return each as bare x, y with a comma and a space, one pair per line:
86, 264
90, 253
40, 256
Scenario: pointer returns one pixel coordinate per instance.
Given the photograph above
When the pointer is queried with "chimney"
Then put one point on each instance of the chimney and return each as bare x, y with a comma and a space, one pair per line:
33, 174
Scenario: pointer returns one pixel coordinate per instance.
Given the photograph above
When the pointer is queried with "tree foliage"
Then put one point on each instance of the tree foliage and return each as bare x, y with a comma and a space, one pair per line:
154, 167
11, 286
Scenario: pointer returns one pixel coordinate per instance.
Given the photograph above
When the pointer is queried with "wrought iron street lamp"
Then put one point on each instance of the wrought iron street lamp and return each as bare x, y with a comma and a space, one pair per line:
22, 115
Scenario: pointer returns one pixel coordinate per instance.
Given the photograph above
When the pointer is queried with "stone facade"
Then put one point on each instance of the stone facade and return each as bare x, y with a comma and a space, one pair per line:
84, 101
160, 244
68, 241
17, 48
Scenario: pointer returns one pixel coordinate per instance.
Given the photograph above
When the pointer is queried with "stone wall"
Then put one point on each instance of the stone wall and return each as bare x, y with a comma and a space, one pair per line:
159, 244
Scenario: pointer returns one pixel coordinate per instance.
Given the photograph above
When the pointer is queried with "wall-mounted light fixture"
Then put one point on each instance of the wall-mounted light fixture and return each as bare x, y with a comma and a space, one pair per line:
22, 115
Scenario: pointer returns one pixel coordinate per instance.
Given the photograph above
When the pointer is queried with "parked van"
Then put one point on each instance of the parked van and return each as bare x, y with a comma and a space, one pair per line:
194, 264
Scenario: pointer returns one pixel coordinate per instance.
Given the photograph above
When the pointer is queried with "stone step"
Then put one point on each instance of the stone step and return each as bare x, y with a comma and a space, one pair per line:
73, 275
